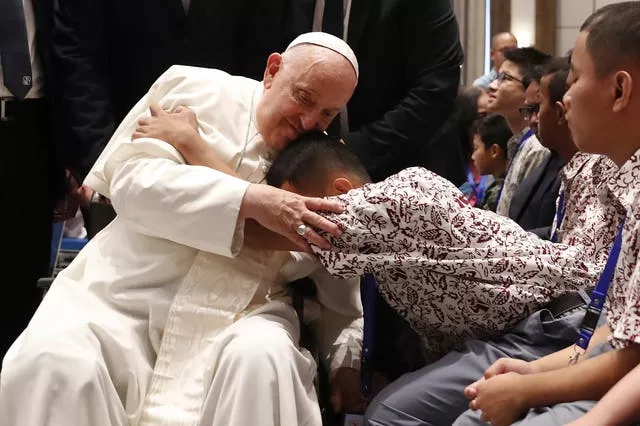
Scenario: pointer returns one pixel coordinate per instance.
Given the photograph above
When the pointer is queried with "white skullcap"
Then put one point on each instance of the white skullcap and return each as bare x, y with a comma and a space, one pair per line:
330, 42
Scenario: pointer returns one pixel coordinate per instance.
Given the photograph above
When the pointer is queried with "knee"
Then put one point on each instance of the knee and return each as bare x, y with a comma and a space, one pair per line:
52, 366
259, 349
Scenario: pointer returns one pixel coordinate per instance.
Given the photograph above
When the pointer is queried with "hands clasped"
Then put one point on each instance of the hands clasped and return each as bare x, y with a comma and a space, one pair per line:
499, 394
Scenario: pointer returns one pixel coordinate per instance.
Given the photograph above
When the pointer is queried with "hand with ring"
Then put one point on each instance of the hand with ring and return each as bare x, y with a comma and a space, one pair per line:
290, 215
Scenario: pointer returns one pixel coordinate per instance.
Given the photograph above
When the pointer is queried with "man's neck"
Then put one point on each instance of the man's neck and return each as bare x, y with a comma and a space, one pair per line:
515, 123
499, 172
566, 148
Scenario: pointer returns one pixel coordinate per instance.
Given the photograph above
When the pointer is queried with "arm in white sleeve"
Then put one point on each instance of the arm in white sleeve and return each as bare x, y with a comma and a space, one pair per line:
191, 205
340, 326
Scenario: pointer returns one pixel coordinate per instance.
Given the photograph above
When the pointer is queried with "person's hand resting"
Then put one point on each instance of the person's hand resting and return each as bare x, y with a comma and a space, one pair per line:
346, 394
499, 394
283, 212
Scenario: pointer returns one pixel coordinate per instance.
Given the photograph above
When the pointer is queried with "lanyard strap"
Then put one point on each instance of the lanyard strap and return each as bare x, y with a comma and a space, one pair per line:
559, 217
592, 314
524, 137
368, 292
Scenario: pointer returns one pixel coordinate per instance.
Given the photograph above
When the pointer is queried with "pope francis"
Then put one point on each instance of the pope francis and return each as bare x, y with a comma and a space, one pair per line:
166, 316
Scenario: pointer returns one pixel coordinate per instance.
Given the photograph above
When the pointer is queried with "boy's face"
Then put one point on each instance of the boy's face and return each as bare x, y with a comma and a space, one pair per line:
551, 122
532, 103
506, 94
588, 102
483, 158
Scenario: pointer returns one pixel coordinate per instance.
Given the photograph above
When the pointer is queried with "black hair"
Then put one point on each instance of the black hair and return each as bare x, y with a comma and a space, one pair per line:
558, 70
308, 161
533, 74
494, 130
465, 115
526, 58
613, 35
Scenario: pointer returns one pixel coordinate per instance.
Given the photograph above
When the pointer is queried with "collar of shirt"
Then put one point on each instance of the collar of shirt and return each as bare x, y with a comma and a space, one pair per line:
514, 142
625, 184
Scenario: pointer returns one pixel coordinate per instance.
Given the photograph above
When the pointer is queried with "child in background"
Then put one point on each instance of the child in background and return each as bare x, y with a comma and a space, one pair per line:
490, 155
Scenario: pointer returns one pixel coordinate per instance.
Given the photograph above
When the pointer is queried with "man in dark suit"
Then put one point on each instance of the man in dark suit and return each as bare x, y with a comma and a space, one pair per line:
410, 55
29, 169
109, 52
534, 204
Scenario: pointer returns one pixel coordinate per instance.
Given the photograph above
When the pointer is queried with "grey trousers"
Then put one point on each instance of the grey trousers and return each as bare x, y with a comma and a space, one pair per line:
434, 395
557, 415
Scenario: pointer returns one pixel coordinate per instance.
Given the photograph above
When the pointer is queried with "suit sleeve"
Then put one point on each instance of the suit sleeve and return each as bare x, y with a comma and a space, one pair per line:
433, 57
80, 58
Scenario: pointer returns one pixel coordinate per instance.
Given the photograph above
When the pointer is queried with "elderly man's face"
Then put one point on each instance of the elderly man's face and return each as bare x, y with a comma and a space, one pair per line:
302, 95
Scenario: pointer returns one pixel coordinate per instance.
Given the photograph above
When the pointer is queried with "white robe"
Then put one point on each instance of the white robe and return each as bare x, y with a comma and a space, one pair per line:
88, 354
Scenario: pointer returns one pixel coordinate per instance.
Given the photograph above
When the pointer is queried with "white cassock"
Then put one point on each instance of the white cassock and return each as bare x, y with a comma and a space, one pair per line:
88, 355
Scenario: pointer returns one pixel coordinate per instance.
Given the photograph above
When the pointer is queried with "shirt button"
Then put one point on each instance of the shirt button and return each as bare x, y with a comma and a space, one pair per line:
265, 168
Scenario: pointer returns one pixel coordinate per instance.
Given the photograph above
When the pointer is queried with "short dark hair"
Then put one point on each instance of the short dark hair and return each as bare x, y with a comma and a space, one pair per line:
533, 74
613, 35
526, 58
558, 70
307, 161
494, 130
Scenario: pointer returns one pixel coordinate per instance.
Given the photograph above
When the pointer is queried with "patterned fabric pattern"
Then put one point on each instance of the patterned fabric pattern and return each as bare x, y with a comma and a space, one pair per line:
452, 270
623, 298
592, 214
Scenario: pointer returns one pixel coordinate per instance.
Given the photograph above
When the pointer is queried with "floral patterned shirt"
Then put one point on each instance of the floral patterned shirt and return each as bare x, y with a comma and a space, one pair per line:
623, 298
592, 215
451, 270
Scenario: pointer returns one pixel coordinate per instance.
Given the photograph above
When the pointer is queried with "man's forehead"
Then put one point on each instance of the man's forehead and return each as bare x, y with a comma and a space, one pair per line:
510, 68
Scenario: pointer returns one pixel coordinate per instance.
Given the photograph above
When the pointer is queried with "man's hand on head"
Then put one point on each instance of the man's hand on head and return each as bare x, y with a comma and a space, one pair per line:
284, 212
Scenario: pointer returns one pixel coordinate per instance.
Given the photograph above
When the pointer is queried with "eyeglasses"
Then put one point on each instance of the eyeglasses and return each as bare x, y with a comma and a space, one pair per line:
527, 111
502, 76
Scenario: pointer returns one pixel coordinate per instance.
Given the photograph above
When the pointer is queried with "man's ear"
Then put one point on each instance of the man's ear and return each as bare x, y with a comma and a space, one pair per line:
274, 63
494, 151
342, 185
561, 112
623, 85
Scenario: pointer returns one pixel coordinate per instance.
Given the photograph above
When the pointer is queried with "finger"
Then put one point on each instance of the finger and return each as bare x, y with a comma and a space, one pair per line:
156, 110
324, 205
473, 404
145, 121
138, 135
495, 369
313, 238
321, 223
471, 391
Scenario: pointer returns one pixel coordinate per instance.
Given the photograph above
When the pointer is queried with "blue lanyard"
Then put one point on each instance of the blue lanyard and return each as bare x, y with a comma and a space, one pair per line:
524, 137
592, 315
559, 217
368, 294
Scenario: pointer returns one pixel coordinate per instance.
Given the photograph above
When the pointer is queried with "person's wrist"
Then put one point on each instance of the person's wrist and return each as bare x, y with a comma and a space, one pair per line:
248, 205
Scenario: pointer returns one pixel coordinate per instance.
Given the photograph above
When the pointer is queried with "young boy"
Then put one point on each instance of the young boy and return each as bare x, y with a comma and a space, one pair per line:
603, 107
490, 155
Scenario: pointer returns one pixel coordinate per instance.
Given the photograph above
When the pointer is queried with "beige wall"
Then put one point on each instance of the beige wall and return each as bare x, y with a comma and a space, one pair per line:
571, 14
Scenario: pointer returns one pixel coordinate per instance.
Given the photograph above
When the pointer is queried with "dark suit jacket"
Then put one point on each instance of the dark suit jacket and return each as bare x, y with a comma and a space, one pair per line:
409, 54
534, 204
109, 52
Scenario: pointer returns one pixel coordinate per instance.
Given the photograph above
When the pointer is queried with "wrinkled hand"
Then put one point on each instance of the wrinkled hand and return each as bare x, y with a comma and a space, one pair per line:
345, 391
501, 366
501, 399
283, 211
178, 128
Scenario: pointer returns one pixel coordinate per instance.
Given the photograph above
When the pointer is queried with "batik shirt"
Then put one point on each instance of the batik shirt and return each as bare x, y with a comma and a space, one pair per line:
451, 270
623, 298
521, 162
591, 214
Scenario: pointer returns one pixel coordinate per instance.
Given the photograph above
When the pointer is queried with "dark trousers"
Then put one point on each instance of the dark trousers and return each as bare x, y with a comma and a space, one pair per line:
27, 188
